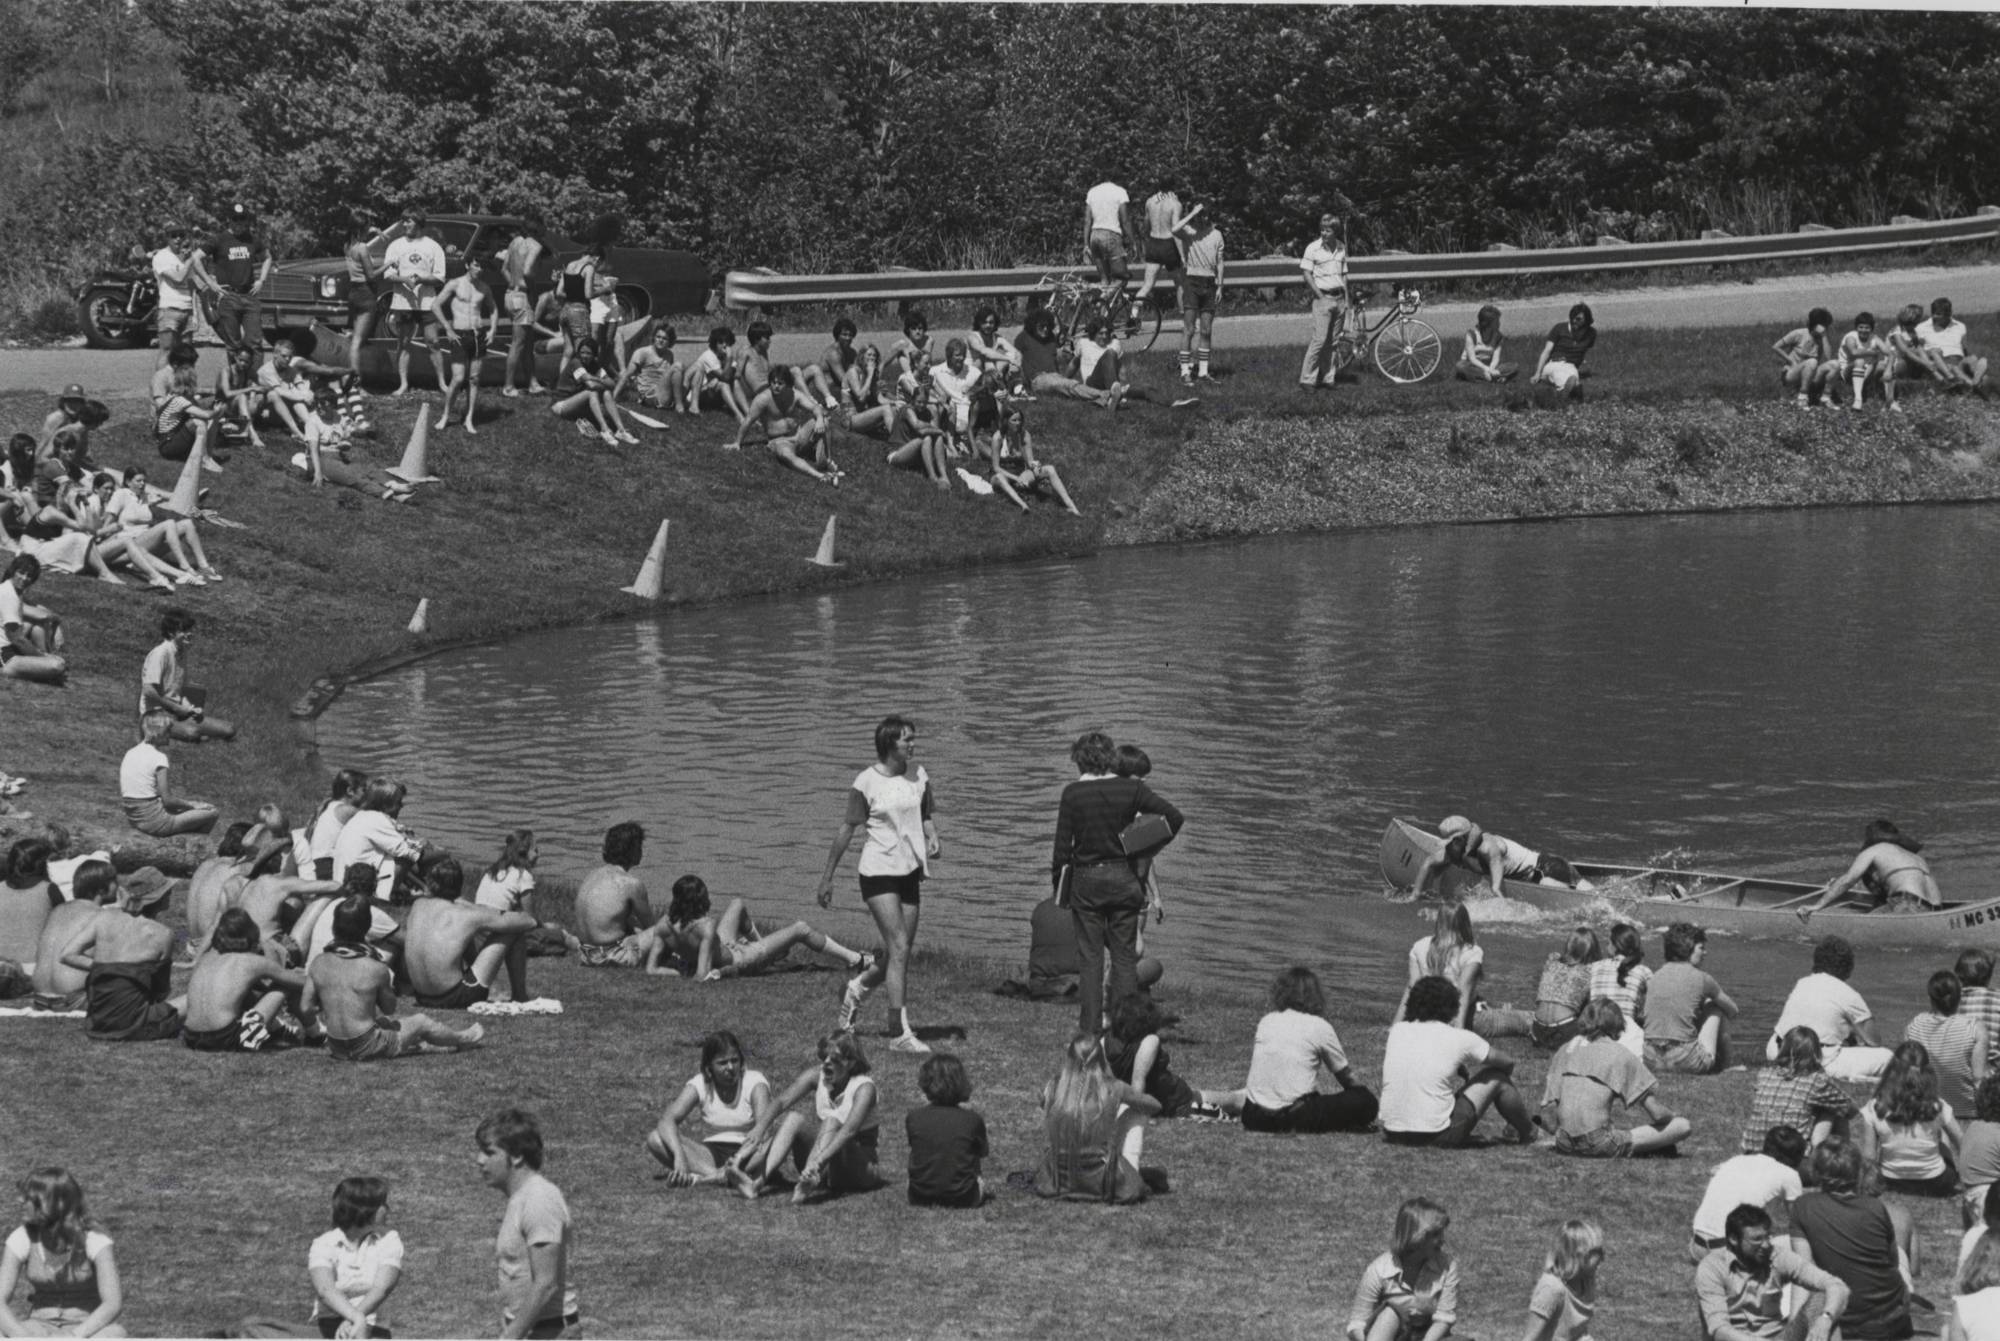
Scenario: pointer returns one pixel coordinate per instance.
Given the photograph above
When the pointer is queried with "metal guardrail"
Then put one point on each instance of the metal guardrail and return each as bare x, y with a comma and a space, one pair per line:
764, 288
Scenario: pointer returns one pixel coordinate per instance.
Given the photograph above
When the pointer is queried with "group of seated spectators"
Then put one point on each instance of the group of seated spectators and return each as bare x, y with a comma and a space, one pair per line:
1822, 371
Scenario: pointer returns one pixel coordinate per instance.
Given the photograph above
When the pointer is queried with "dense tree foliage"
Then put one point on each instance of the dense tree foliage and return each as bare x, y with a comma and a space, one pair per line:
859, 136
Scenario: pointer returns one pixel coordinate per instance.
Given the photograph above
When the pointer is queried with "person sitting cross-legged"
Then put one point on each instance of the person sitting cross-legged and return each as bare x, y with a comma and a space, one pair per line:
1438, 1079
731, 1099
142, 783
354, 995
238, 998
835, 1149
1592, 1070
455, 950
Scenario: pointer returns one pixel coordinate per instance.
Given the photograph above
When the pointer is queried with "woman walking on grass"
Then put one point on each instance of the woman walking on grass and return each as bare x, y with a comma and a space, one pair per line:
72, 1276
891, 801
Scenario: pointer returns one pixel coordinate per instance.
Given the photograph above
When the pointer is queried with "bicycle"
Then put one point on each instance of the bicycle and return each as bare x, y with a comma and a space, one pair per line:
1406, 348
1075, 301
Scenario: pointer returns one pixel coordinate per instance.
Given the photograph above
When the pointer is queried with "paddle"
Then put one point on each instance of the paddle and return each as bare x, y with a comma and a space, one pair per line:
646, 419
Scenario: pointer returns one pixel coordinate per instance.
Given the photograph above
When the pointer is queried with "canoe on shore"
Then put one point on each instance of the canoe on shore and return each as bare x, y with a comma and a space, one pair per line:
1749, 905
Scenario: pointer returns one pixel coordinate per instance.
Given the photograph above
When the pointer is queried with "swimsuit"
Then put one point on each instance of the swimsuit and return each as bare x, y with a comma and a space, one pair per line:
377, 1045
467, 991
127, 1002
620, 954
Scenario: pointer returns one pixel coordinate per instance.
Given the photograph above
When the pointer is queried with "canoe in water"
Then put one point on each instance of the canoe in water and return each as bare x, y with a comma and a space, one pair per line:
1749, 905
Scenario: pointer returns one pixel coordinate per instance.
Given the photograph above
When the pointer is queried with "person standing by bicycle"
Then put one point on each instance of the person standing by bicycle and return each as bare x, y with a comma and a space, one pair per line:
1200, 288
1163, 240
1325, 267
1104, 208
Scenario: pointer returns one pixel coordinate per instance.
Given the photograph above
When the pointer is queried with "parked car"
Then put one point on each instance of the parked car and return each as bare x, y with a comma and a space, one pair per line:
650, 279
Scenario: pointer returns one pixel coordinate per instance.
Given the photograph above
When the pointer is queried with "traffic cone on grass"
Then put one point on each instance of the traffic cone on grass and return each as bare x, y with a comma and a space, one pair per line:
414, 469
646, 586
420, 622
825, 559
187, 492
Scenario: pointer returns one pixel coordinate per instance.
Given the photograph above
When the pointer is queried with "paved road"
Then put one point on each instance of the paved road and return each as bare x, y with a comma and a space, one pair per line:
122, 374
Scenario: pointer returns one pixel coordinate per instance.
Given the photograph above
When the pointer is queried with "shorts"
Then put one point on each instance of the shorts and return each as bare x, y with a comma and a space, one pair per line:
377, 1045
177, 445
1943, 1183
172, 323
1416, 1138
467, 991
575, 322
909, 886
1604, 1143
518, 309
1107, 250
17, 980
710, 398
1690, 1057
1560, 375
408, 321
1198, 294
363, 301
1162, 252
471, 345
61, 1003
249, 1032
623, 954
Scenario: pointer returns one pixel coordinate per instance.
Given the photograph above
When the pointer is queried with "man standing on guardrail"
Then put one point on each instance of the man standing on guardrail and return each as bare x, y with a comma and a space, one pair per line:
1104, 238
1325, 267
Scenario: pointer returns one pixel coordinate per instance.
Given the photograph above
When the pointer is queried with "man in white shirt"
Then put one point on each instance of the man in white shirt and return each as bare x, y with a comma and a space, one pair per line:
1768, 1180
1945, 337
955, 380
1104, 237
1325, 267
163, 684
1823, 1002
171, 266
416, 264
1438, 1079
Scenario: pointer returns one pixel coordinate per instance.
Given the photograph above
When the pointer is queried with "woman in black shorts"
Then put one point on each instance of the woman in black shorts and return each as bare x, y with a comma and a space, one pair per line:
365, 290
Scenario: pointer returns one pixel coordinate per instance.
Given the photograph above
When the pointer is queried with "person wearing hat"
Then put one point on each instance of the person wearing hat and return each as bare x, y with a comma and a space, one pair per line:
126, 957
142, 783
67, 421
173, 276
238, 262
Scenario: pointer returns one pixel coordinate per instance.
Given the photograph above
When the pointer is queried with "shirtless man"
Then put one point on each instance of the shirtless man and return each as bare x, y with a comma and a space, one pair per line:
455, 950
58, 987
517, 264
126, 958
614, 914
315, 929
218, 883
733, 946
237, 1000
467, 309
273, 903
354, 995
793, 425
1494, 858
25, 902
1896, 877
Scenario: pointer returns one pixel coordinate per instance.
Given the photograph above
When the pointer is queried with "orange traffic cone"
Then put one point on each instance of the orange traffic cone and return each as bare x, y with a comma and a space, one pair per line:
646, 586
825, 559
187, 492
414, 469
420, 622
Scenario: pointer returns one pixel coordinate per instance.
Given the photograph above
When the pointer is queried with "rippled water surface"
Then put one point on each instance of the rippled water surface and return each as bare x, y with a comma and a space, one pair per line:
1747, 690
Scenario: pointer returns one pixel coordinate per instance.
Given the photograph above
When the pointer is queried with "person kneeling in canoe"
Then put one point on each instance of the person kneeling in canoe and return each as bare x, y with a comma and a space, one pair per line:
1898, 879
1493, 859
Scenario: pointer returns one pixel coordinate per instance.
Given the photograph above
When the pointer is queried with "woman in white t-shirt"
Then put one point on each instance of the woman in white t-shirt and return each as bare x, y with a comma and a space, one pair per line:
132, 506
1975, 1307
343, 799
1297, 1045
731, 1099
1906, 1131
354, 1268
892, 799
71, 1273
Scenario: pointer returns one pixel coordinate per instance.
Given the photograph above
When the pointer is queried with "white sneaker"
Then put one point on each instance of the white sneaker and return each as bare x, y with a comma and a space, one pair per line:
585, 430
909, 1042
511, 392
1897, 407
624, 435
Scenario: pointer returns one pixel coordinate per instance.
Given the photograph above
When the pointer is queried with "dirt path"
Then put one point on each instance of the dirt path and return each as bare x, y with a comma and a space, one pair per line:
122, 374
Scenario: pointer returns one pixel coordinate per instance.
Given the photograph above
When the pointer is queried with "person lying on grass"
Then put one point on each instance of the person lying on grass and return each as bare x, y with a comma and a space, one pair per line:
947, 1140
1011, 464
1409, 1293
354, 995
1592, 1070
1565, 1295
834, 1150
793, 426
354, 1267
238, 999
66, 1261
731, 1100
454, 950
1438, 1079
613, 911
733, 946
1296, 1046
1094, 1131
126, 958
583, 396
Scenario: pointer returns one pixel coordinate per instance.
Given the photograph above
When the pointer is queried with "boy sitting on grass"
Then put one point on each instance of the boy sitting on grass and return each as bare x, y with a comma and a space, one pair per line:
1865, 360
1944, 341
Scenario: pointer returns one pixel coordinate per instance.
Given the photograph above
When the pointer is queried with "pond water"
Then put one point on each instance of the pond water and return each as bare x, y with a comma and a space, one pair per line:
1744, 691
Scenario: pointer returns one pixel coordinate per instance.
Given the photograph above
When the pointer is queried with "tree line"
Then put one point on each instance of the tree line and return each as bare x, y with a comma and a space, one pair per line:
853, 137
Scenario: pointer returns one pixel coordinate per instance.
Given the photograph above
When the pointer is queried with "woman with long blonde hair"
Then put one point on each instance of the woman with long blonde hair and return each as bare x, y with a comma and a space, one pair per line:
72, 1275
1094, 1125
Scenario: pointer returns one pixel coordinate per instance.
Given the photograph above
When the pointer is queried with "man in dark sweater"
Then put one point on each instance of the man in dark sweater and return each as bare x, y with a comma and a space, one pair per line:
1107, 898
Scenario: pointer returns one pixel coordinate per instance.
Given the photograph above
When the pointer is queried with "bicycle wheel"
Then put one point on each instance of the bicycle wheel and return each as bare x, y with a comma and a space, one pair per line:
1343, 352
1144, 320
1408, 350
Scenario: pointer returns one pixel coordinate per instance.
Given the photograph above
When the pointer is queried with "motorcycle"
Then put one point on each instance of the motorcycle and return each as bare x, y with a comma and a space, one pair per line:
116, 308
